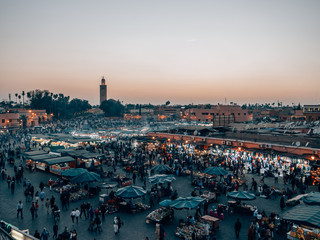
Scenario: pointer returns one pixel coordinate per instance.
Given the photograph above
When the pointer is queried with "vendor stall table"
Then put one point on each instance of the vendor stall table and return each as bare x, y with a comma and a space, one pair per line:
297, 233
186, 231
209, 196
243, 208
161, 215
214, 222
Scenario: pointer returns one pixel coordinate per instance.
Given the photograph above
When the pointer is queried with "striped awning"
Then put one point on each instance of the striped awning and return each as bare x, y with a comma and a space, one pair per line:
304, 214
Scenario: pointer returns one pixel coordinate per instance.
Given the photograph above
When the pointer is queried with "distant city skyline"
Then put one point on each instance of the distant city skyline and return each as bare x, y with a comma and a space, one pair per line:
150, 52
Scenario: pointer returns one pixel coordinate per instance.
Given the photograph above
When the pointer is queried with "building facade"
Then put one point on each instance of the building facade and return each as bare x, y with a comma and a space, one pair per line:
103, 90
16, 118
220, 115
311, 112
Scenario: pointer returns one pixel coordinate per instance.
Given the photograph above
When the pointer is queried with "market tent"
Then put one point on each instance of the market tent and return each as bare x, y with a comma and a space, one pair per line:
86, 177
161, 168
186, 203
131, 192
33, 153
161, 178
216, 171
240, 195
304, 214
56, 148
73, 172
312, 198
89, 155
58, 160
78, 140
40, 158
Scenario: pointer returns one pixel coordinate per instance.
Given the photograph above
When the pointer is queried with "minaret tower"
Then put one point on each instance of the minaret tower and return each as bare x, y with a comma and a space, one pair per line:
103, 90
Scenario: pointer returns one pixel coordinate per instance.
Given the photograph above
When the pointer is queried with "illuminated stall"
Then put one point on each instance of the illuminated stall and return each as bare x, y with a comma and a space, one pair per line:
59, 164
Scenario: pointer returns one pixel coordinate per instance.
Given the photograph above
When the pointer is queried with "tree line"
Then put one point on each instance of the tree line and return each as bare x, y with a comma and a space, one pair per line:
57, 104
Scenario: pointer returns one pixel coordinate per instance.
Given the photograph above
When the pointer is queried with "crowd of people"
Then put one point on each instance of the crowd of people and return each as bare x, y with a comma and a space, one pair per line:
180, 159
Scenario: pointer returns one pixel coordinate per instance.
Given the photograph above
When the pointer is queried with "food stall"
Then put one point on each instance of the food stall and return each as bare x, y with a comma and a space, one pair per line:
123, 179
76, 192
160, 215
28, 155
136, 207
84, 158
33, 153
185, 232
213, 222
241, 207
60, 164
209, 196
305, 232
37, 160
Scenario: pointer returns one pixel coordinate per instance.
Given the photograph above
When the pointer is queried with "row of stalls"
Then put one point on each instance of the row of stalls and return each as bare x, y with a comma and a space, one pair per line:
83, 158
61, 160
48, 162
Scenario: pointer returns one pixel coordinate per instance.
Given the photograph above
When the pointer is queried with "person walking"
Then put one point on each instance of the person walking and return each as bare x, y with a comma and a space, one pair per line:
36, 205
120, 223
32, 210
77, 215
20, 209
42, 196
237, 227
45, 234
13, 184
157, 232
47, 204
282, 203
115, 225
73, 235
37, 234
73, 215
83, 210
55, 230
8, 181
251, 232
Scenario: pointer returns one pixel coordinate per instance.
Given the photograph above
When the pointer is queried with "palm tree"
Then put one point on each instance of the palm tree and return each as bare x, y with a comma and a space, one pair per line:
23, 97
16, 97
19, 99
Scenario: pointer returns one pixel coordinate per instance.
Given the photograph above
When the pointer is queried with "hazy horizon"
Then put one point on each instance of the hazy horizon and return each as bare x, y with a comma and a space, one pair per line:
150, 52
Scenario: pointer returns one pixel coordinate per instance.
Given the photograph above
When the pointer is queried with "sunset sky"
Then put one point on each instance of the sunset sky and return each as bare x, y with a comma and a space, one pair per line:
153, 51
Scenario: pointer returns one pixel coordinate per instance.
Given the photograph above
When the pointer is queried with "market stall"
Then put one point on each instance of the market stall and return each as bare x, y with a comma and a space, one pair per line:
59, 164
307, 233
37, 160
161, 215
186, 231
75, 192
123, 180
209, 196
307, 220
237, 205
213, 222
33, 153
89, 159
131, 192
